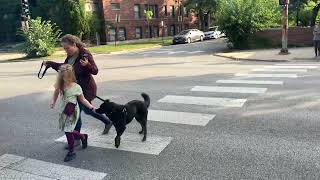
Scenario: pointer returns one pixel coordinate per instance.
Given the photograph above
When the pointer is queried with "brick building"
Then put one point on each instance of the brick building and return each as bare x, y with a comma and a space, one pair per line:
133, 24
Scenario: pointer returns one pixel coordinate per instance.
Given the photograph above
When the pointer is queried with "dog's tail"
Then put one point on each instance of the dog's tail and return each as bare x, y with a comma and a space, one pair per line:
146, 99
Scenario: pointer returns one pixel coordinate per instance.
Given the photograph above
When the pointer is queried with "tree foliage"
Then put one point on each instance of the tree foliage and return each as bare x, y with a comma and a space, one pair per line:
202, 8
239, 19
41, 38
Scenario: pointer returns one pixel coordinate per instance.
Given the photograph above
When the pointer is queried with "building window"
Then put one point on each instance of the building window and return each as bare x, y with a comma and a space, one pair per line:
115, 6
172, 30
171, 11
112, 34
153, 8
122, 34
155, 31
185, 12
138, 32
137, 11
165, 10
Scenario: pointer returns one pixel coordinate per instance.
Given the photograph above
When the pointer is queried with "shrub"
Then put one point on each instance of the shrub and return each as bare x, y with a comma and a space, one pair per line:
40, 38
240, 19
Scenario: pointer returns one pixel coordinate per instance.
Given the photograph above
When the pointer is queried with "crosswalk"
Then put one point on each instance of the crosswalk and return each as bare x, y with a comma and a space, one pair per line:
257, 82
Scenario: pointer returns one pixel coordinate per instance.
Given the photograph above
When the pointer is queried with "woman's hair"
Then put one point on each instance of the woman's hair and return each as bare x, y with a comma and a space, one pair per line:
66, 74
72, 40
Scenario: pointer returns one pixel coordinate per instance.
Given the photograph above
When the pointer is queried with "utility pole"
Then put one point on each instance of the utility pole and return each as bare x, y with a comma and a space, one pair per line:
25, 14
284, 4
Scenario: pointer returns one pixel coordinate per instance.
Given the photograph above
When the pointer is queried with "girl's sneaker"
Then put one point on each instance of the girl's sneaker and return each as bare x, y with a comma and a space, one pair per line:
70, 156
85, 141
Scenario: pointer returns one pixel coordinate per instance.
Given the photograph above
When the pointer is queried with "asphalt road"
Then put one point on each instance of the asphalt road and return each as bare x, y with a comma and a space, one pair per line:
273, 135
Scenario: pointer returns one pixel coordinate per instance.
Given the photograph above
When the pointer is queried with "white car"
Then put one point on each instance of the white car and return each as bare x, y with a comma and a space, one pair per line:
213, 33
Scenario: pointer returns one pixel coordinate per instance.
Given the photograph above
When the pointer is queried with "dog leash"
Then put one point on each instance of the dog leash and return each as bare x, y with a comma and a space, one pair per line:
45, 71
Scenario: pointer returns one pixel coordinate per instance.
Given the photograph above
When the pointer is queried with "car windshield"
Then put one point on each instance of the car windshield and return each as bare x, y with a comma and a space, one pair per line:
183, 32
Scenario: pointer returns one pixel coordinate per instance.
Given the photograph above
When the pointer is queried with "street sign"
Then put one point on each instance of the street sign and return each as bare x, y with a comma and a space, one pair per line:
283, 2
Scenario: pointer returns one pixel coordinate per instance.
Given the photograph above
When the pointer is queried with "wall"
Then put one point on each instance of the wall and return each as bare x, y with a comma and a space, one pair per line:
298, 36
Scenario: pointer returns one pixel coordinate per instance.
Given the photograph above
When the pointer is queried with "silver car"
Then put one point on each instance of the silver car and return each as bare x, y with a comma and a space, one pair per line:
188, 36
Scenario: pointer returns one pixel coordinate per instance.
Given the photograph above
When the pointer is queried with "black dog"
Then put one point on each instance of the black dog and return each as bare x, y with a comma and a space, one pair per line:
121, 115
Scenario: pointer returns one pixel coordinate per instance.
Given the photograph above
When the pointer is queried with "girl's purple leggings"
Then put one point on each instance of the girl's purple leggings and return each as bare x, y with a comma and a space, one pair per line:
70, 138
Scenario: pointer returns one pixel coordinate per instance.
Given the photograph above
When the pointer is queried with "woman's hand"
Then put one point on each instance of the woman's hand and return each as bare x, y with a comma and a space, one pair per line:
84, 61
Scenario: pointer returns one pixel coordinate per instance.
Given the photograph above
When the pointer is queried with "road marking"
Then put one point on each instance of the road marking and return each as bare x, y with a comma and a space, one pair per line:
176, 52
6, 174
292, 67
195, 119
245, 90
279, 70
27, 168
207, 101
250, 82
195, 52
267, 75
307, 64
129, 141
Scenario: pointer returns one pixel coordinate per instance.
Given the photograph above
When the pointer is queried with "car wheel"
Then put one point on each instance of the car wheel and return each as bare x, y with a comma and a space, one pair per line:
201, 38
189, 40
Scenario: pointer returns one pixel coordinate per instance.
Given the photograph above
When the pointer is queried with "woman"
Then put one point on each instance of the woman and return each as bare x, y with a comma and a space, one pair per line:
316, 40
84, 67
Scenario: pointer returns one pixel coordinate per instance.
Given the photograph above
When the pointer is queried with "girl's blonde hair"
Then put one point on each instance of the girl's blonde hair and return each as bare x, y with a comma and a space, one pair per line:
66, 74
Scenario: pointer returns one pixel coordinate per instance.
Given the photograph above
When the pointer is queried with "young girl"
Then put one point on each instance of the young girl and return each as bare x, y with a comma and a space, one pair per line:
69, 111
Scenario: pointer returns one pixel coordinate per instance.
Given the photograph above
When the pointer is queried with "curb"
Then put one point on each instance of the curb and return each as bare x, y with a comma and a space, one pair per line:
244, 59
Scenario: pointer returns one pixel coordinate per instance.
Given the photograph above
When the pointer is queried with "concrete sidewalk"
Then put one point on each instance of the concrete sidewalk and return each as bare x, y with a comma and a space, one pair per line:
271, 55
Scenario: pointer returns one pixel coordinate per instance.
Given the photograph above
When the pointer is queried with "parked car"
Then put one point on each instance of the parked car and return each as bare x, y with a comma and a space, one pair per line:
213, 33
188, 36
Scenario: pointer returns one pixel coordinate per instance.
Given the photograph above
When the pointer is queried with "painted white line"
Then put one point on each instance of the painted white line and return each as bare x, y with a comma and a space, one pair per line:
195, 119
245, 90
8, 159
250, 82
291, 67
279, 70
307, 64
195, 52
6, 174
207, 101
176, 52
36, 169
129, 141
267, 75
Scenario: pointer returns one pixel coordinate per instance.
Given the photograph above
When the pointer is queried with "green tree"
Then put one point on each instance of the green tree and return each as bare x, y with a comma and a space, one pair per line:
205, 9
148, 15
41, 38
240, 19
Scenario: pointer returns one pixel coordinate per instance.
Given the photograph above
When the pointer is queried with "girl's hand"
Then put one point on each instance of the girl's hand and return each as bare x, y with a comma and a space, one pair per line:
84, 61
52, 104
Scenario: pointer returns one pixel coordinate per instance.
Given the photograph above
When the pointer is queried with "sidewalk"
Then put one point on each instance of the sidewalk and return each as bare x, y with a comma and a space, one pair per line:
271, 55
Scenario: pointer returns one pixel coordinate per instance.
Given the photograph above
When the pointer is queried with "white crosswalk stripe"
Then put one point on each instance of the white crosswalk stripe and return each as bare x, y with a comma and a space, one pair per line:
195, 52
186, 118
291, 67
207, 101
129, 141
266, 75
279, 70
18, 167
300, 64
239, 81
249, 90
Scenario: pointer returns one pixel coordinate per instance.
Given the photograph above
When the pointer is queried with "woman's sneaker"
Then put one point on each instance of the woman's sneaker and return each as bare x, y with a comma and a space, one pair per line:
85, 141
70, 156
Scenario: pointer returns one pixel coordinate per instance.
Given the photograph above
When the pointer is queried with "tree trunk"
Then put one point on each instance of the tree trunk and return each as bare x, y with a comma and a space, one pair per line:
315, 11
209, 20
